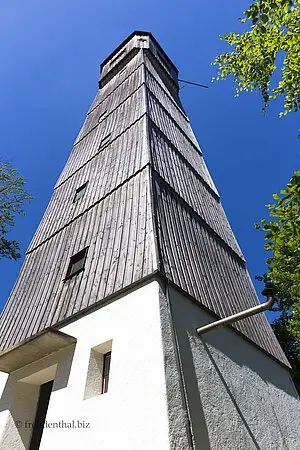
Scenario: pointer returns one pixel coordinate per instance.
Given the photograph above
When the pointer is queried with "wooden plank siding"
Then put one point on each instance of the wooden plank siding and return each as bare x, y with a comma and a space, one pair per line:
204, 267
149, 193
108, 103
174, 169
117, 81
115, 230
177, 137
117, 122
162, 77
111, 167
116, 59
171, 107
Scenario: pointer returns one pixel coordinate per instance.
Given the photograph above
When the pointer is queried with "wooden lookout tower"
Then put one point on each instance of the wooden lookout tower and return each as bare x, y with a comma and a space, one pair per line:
99, 348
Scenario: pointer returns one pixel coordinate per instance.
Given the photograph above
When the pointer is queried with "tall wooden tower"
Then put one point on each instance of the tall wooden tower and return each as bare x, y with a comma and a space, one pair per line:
134, 252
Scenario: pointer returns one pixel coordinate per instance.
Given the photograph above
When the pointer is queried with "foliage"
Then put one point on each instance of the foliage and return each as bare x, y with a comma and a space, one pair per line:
274, 38
283, 240
281, 327
275, 32
12, 198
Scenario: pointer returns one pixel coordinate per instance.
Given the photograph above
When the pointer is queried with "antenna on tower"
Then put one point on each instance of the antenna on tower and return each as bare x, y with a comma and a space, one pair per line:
195, 84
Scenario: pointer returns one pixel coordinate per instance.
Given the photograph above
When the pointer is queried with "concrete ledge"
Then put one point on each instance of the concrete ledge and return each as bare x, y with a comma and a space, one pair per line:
36, 347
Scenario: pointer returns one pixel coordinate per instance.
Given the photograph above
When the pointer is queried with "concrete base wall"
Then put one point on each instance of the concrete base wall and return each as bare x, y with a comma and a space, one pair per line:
238, 397
168, 388
132, 415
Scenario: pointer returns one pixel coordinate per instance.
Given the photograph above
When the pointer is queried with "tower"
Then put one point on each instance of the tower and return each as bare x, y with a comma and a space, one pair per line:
135, 252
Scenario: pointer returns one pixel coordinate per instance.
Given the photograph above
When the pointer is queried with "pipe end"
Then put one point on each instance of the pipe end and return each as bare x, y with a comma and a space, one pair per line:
269, 290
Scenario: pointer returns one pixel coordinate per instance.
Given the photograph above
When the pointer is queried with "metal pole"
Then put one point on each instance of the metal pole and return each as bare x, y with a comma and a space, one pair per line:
269, 291
194, 84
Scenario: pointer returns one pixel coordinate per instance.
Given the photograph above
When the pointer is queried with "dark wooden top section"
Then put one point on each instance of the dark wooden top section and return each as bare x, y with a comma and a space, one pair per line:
150, 206
138, 33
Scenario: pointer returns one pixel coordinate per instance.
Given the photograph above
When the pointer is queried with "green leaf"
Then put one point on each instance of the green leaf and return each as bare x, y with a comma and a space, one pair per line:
13, 196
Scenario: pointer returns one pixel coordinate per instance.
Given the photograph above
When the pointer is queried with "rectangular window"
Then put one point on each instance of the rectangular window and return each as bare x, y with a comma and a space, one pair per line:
105, 141
40, 416
98, 372
105, 371
80, 192
102, 116
77, 263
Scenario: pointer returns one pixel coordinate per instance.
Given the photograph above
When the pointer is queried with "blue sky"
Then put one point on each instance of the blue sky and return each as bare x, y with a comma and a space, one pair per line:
50, 55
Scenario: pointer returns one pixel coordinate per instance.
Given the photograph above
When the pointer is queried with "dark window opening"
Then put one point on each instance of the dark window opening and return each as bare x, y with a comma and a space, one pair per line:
123, 70
105, 372
40, 416
102, 116
105, 141
77, 263
80, 192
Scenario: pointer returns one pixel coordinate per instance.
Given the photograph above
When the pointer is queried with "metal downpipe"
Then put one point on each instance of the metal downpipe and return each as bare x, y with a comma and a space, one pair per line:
269, 292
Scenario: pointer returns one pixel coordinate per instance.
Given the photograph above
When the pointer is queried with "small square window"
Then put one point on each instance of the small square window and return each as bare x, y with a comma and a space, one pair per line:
80, 192
104, 141
77, 263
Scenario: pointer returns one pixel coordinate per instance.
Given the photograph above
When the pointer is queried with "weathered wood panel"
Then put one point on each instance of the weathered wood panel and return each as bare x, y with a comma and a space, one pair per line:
105, 172
163, 60
119, 56
110, 102
116, 81
191, 157
119, 233
171, 107
178, 139
205, 268
162, 77
160, 115
115, 124
172, 167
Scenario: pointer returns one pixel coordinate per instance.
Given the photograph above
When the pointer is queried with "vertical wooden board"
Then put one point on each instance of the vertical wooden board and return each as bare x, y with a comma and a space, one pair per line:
117, 81
121, 270
116, 251
110, 168
31, 291
109, 103
37, 320
169, 265
170, 106
141, 226
132, 224
123, 53
161, 75
190, 186
115, 123
206, 258
113, 232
